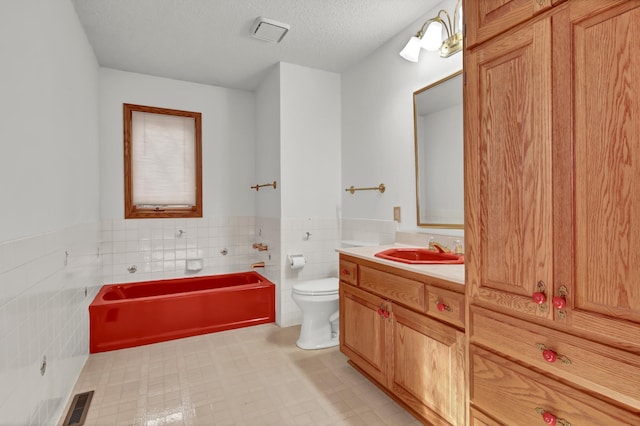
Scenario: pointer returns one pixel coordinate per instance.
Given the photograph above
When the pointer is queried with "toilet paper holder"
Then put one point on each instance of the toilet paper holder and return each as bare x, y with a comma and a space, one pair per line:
296, 261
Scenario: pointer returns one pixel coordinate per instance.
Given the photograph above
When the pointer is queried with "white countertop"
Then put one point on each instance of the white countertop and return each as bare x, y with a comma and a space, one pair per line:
453, 273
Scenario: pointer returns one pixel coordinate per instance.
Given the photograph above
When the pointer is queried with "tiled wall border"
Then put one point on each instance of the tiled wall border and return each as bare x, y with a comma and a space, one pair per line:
46, 283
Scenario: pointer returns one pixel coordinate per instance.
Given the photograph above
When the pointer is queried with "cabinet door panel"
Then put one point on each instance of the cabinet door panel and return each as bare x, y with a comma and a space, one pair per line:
362, 331
607, 170
508, 169
428, 366
491, 17
604, 295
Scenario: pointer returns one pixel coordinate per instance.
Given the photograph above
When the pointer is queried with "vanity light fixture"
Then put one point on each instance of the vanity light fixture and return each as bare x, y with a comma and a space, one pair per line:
430, 36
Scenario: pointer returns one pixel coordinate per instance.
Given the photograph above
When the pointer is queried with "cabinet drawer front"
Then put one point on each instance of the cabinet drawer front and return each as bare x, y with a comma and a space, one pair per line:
402, 290
348, 272
445, 305
514, 395
597, 367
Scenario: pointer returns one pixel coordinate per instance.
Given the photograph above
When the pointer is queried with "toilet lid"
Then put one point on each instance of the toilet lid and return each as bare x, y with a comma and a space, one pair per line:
317, 287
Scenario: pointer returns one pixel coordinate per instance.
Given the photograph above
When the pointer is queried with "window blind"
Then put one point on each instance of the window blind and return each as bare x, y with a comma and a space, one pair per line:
163, 155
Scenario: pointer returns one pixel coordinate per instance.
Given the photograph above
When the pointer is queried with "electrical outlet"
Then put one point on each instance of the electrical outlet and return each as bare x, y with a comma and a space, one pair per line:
396, 214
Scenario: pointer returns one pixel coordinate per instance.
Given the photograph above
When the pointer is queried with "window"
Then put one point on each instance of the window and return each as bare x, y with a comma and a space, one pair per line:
162, 162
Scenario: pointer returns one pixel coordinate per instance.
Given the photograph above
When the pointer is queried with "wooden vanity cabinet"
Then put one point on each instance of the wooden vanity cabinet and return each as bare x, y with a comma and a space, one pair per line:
386, 333
552, 165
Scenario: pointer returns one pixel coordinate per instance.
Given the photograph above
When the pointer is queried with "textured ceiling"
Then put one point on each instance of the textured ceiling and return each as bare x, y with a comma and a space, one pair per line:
209, 41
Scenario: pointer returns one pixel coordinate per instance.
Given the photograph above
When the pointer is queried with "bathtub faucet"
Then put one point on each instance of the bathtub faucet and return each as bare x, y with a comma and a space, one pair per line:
257, 265
260, 247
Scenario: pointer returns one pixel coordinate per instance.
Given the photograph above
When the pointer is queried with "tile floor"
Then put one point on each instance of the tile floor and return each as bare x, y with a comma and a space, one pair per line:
250, 376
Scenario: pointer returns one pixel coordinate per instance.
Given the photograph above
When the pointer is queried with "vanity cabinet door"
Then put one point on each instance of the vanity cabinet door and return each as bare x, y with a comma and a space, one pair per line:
363, 330
508, 171
486, 19
427, 371
598, 225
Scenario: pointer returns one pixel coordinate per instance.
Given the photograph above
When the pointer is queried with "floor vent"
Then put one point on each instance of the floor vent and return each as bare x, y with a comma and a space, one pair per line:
79, 409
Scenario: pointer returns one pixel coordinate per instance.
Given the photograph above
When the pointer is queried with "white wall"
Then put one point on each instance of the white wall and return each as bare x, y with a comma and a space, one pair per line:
298, 139
228, 134
311, 178
49, 192
268, 200
310, 144
267, 150
48, 106
377, 126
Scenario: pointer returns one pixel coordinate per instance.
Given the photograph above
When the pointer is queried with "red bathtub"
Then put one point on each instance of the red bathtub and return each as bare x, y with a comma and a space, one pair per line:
127, 315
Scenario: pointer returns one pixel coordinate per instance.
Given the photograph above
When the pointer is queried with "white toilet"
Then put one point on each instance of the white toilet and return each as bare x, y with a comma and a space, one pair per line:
318, 301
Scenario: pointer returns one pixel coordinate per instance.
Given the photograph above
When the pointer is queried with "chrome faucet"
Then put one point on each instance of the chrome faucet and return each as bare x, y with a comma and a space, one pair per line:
257, 265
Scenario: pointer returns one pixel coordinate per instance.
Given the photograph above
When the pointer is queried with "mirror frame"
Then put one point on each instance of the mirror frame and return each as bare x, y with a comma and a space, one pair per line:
415, 136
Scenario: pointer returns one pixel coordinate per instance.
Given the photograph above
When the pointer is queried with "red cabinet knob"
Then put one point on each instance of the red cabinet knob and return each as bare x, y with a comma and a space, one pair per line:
442, 307
549, 418
345, 272
380, 311
539, 297
386, 314
549, 355
559, 302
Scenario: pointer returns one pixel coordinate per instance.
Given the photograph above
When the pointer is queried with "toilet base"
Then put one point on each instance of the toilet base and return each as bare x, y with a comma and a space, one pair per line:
321, 345
319, 334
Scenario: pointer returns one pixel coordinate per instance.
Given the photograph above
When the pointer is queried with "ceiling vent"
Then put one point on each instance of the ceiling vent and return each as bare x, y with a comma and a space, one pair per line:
269, 30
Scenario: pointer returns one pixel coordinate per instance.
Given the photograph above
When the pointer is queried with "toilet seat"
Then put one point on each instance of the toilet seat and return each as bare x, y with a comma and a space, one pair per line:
322, 287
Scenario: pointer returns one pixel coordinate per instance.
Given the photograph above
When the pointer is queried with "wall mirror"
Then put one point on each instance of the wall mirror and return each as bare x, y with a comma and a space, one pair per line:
438, 127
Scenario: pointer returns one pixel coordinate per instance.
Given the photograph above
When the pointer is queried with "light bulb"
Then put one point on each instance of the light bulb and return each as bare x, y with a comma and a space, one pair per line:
432, 39
411, 51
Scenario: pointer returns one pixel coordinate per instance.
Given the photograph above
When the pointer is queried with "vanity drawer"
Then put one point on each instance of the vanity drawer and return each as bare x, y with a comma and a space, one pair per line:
599, 368
404, 291
445, 305
348, 272
515, 395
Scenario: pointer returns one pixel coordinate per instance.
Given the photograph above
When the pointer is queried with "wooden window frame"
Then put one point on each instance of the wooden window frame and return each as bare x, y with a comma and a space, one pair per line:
131, 211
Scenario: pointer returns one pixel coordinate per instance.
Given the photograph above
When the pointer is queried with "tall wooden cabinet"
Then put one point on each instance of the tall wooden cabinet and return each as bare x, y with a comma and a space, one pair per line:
552, 226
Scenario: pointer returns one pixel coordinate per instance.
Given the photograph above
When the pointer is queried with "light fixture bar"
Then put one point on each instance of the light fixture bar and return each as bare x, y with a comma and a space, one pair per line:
429, 36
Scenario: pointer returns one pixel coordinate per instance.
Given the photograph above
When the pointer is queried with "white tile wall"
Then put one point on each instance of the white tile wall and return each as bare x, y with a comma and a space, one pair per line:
268, 232
319, 250
369, 231
46, 284
422, 239
159, 248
